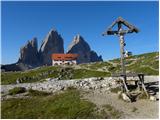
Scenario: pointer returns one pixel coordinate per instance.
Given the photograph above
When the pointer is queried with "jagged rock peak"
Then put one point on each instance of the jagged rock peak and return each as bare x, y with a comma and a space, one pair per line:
31, 43
78, 38
78, 41
51, 36
29, 53
34, 43
53, 43
53, 30
81, 47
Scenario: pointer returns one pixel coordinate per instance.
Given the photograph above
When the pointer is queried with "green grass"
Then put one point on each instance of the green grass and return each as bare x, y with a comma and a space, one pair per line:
144, 63
117, 60
96, 65
37, 93
155, 64
147, 71
83, 73
142, 69
8, 78
64, 105
17, 90
114, 69
11, 77
150, 55
147, 59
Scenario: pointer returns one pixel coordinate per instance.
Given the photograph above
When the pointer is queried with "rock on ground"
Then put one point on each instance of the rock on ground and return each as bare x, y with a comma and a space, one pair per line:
141, 109
98, 92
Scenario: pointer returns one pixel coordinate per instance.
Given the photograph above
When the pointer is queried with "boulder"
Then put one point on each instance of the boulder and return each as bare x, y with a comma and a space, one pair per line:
125, 97
119, 92
152, 98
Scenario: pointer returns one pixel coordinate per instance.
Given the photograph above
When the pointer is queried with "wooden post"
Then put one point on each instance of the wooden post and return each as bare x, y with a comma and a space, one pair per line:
120, 32
121, 38
141, 78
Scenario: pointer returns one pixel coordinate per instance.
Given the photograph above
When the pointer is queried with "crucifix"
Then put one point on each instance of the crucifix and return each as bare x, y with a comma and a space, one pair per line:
121, 32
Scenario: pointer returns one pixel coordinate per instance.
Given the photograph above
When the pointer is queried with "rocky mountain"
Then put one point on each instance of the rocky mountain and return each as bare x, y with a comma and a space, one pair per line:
16, 67
29, 53
94, 57
53, 43
81, 47
147, 63
31, 57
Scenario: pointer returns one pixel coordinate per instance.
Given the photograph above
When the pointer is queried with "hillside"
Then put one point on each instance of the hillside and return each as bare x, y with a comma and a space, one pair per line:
147, 63
92, 97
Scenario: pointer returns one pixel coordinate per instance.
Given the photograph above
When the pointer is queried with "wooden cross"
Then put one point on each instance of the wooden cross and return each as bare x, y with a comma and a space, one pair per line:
120, 32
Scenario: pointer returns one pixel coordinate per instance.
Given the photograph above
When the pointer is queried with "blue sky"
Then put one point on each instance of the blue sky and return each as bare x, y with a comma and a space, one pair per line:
21, 21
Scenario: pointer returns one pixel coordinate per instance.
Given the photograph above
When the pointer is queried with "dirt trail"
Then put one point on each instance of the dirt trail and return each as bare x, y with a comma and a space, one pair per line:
142, 108
145, 108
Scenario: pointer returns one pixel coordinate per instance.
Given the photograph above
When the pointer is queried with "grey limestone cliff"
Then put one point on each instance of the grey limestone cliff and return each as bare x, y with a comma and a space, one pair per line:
29, 53
81, 47
53, 43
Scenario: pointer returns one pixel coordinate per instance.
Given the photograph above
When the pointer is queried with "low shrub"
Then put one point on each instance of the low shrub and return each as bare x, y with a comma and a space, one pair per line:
143, 96
17, 90
71, 88
112, 69
32, 92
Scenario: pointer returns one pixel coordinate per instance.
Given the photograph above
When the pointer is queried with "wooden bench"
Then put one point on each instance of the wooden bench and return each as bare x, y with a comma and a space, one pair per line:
139, 82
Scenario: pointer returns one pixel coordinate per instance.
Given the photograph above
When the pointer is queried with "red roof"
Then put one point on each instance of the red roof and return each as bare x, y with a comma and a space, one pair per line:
64, 56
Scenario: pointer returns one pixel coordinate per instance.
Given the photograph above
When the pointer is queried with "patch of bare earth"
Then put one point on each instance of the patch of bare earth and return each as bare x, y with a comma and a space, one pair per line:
142, 108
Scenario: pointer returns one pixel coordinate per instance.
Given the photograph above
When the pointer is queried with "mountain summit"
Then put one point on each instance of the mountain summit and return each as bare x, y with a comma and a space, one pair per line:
81, 47
53, 43
29, 53
30, 57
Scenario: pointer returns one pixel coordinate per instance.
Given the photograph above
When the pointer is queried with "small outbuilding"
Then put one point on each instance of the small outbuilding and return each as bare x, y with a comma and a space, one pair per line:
64, 59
